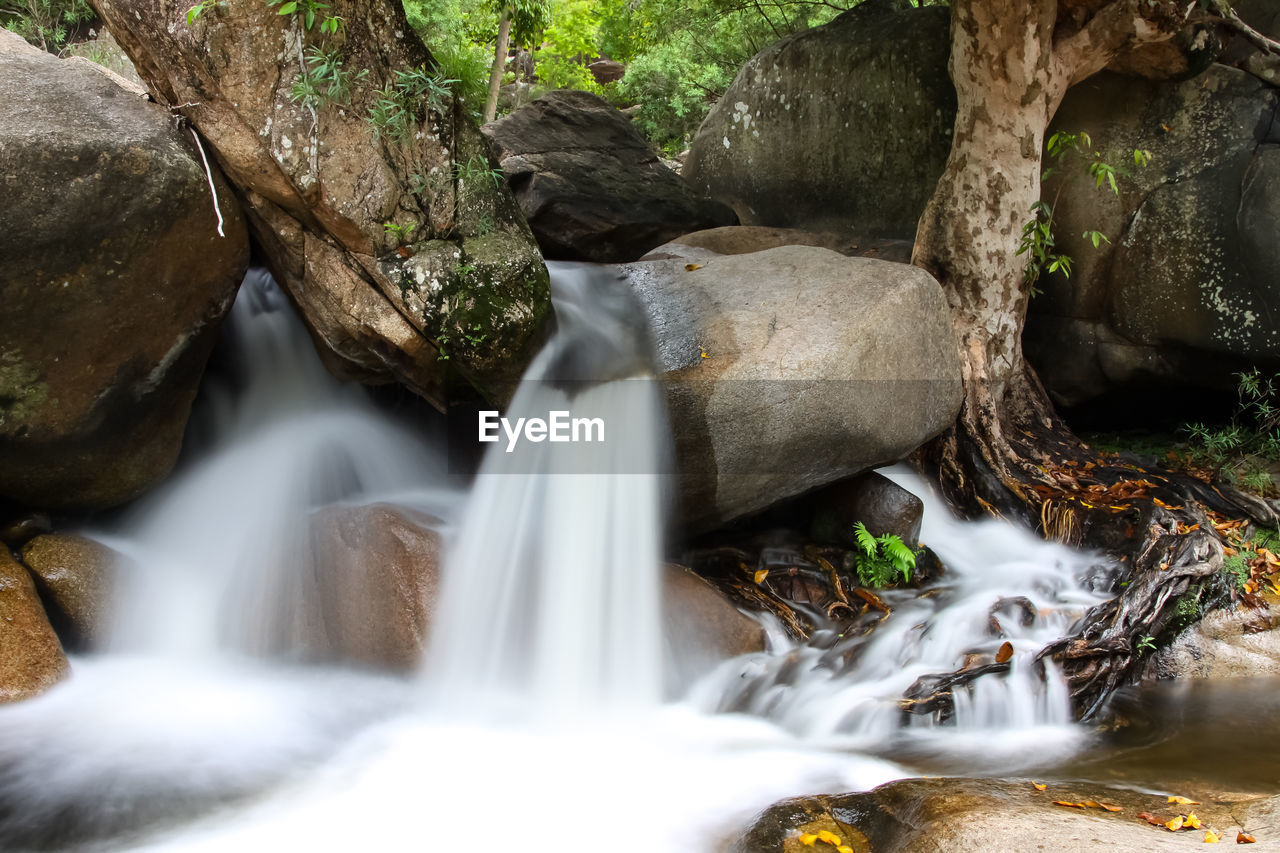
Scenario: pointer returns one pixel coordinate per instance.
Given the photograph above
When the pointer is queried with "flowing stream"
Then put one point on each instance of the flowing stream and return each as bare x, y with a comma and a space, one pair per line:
538, 721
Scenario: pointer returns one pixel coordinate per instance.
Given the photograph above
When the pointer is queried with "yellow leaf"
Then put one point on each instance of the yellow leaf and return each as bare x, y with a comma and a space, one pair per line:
844, 848
1211, 837
761, 575
829, 837
1068, 805
1175, 824
808, 838
1191, 822
1038, 786
692, 267
1094, 804
1183, 801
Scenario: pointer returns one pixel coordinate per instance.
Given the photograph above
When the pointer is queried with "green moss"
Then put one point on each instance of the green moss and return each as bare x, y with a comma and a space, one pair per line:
22, 392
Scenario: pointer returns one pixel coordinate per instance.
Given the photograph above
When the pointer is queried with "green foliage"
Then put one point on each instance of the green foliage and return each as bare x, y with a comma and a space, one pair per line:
47, 24
457, 33
1146, 644
1236, 449
1038, 242
200, 8
400, 103
324, 80
882, 560
477, 170
308, 11
1236, 571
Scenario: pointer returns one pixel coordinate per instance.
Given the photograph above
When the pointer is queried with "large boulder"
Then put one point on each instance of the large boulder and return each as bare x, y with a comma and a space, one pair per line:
368, 187
792, 368
844, 127
114, 278
591, 187
978, 815
31, 658
1185, 291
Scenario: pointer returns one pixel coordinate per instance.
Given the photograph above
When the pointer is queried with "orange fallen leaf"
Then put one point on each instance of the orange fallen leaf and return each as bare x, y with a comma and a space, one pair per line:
759, 576
1245, 838
1068, 805
1183, 801
1039, 786
1094, 804
1006, 652
1211, 837
1191, 821
1150, 818
1174, 825
692, 267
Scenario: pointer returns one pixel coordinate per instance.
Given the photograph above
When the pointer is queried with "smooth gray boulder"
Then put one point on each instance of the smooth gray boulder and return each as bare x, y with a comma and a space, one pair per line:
845, 127
114, 280
792, 368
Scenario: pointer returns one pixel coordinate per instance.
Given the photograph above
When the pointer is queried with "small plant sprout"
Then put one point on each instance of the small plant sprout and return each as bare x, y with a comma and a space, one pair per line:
883, 560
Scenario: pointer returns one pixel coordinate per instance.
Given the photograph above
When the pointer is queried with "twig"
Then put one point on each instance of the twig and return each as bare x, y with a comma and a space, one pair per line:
1231, 19
209, 173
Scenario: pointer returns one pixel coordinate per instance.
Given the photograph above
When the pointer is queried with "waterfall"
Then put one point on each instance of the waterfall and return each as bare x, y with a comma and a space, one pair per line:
551, 592
202, 702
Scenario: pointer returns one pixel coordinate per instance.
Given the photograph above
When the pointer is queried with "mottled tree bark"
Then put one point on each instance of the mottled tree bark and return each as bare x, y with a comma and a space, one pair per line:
1009, 453
499, 64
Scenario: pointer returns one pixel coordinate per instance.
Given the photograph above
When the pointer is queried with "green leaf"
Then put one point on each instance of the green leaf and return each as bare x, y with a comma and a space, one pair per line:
288, 8
866, 541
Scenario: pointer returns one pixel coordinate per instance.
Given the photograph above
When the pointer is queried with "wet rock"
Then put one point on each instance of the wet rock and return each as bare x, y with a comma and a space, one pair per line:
74, 575
873, 499
701, 626
22, 528
406, 259
590, 185
1183, 294
979, 815
792, 368
114, 281
31, 658
1236, 643
372, 585
845, 127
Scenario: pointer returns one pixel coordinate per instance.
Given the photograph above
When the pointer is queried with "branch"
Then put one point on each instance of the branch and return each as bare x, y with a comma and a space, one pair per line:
209, 173
1116, 27
1231, 19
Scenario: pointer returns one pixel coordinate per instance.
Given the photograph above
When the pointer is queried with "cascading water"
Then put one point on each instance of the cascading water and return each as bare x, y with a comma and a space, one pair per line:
568, 587
550, 614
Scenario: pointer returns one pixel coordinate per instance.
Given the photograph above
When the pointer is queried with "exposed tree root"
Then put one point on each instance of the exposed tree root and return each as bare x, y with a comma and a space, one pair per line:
1029, 466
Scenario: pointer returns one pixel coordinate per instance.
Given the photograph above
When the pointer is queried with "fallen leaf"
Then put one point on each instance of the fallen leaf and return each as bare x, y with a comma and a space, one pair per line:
692, 267
1039, 786
808, 839
829, 837
1183, 801
1191, 821
1006, 652
1068, 805
703, 352
1211, 837
1174, 825
1245, 838
1093, 804
844, 848
759, 576
1150, 818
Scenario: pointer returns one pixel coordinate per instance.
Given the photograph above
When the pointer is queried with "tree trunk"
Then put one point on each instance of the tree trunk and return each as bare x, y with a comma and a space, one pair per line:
970, 231
1009, 453
499, 65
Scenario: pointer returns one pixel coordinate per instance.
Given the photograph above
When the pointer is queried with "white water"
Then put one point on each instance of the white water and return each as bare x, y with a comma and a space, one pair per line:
552, 591
178, 717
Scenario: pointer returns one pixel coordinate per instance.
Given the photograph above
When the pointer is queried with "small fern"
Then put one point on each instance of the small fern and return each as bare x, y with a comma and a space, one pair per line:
883, 560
